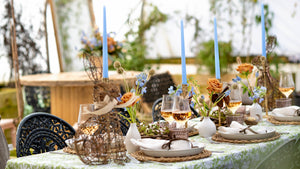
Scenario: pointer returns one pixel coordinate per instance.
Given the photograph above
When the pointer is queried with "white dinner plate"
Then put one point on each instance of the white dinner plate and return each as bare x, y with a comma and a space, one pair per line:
287, 118
242, 136
174, 153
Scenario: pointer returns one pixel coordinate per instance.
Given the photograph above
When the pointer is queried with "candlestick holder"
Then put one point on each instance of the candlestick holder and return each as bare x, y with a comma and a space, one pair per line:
184, 90
263, 59
106, 80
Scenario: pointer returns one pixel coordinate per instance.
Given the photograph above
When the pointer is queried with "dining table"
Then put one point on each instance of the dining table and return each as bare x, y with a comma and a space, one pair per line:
283, 152
70, 89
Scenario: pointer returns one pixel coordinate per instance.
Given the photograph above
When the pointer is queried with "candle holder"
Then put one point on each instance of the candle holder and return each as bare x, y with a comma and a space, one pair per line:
106, 80
284, 102
263, 59
184, 90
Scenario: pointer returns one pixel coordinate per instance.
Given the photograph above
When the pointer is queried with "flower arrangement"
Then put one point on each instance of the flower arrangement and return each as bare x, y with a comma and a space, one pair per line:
133, 95
93, 45
216, 94
255, 92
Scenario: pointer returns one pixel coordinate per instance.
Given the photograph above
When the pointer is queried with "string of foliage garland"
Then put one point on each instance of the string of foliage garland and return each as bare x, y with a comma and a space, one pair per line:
206, 55
136, 48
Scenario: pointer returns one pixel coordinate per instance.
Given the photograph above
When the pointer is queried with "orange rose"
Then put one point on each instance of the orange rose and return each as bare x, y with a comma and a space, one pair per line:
126, 97
214, 85
244, 68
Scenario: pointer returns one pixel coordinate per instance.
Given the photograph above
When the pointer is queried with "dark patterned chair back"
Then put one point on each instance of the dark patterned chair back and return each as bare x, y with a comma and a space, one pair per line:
42, 132
156, 116
157, 86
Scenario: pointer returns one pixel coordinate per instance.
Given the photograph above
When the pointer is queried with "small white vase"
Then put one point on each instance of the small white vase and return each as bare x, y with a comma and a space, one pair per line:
256, 111
207, 127
245, 97
132, 132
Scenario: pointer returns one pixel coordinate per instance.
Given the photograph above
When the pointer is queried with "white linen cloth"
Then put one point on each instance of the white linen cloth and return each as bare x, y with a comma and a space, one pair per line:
285, 111
155, 144
236, 127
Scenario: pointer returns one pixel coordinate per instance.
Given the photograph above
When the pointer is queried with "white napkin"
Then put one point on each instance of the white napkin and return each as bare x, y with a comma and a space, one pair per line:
285, 111
236, 127
155, 144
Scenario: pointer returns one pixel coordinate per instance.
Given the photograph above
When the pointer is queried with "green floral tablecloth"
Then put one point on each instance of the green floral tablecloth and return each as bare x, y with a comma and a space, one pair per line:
281, 153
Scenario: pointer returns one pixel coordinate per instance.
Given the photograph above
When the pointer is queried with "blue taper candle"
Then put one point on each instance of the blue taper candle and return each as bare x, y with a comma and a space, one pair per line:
217, 62
263, 31
104, 49
183, 65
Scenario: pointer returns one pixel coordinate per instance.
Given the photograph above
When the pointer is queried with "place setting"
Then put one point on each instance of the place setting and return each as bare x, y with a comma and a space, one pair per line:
176, 146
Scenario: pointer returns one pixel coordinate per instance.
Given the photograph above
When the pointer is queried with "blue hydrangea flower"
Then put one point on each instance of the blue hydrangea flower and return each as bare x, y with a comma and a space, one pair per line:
178, 92
144, 90
192, 92
94, 42
263, 88
171, 90
227, 93
237, 79
261, 99
139, 83
83, 40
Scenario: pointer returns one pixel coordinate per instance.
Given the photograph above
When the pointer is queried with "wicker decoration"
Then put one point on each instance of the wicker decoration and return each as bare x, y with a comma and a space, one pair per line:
276, 122
142, 157
69, 150
93, 67
102, 89
217, 137
99, 140
271, 83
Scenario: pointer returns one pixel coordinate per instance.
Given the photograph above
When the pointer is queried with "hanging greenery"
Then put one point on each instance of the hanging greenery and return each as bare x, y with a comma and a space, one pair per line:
206, 55
135, 44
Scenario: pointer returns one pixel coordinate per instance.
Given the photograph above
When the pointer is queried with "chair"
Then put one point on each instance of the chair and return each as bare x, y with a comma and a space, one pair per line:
157, 107
42, 132
156, 86
4, 151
